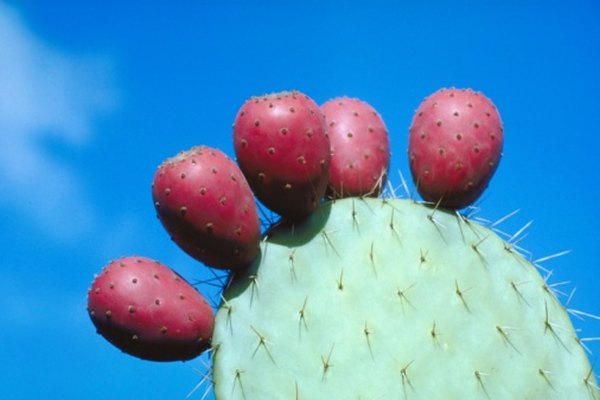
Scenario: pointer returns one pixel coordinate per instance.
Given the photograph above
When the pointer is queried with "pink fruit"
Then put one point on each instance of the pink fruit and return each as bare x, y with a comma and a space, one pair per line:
205, 204
455, 145
147, 310
360, 148
282, 147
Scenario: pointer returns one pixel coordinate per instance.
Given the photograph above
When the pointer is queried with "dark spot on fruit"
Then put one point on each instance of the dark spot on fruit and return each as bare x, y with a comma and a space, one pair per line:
110, 286
134, 280
157, 302
439, 122
459, 136
181, 297
470, 105
283, 131
163, 330
331, 124
108, 314
270, 105
209, 227
155, 276
242, 113
309, 133
441, 151
238, 231
476, 148
451, 94
202, 190
492, 136
271, 150
214, 170
355, 114
182, 175
476, 124
292, 110
223, 200
232, 177
350, 135
157, 204
244, 143
256, 122
491, 164
459, 165
455, 113
423, 135
131, 309
167, 192
301, 160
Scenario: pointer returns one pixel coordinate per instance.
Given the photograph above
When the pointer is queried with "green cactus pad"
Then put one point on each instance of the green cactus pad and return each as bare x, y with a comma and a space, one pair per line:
390, 299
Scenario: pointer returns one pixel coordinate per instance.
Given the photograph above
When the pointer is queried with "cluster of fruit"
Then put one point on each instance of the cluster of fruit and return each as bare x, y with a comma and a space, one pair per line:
291, 154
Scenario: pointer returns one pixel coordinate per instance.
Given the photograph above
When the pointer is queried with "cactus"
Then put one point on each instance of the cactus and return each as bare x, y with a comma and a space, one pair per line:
388, 298
358, 297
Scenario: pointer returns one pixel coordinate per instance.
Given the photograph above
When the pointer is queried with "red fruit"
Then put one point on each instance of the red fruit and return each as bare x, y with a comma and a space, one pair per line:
205, 204
360, 148
147, 310
455, 145
282, 147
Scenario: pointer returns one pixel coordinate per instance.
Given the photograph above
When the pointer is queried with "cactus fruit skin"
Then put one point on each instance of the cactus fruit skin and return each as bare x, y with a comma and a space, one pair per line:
360, 148
455, 146
282, 147
147, 310
373, 299
204, 202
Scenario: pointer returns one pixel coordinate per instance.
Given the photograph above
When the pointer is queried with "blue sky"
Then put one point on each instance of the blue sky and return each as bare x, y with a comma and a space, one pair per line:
94, 95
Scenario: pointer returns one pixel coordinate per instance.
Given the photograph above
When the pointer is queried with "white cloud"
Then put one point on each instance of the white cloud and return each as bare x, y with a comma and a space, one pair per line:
46, 94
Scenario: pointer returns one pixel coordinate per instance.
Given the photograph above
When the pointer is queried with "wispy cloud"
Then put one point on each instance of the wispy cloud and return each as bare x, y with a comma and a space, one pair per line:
47, 94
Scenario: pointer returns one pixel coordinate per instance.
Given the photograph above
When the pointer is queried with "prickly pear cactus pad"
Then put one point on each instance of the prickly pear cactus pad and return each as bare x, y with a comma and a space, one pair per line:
391, 299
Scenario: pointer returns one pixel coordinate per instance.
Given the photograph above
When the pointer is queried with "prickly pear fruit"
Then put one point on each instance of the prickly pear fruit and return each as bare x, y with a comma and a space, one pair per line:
282, 147
455, 145
391, 299
147, 310
204, 202
360, 148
